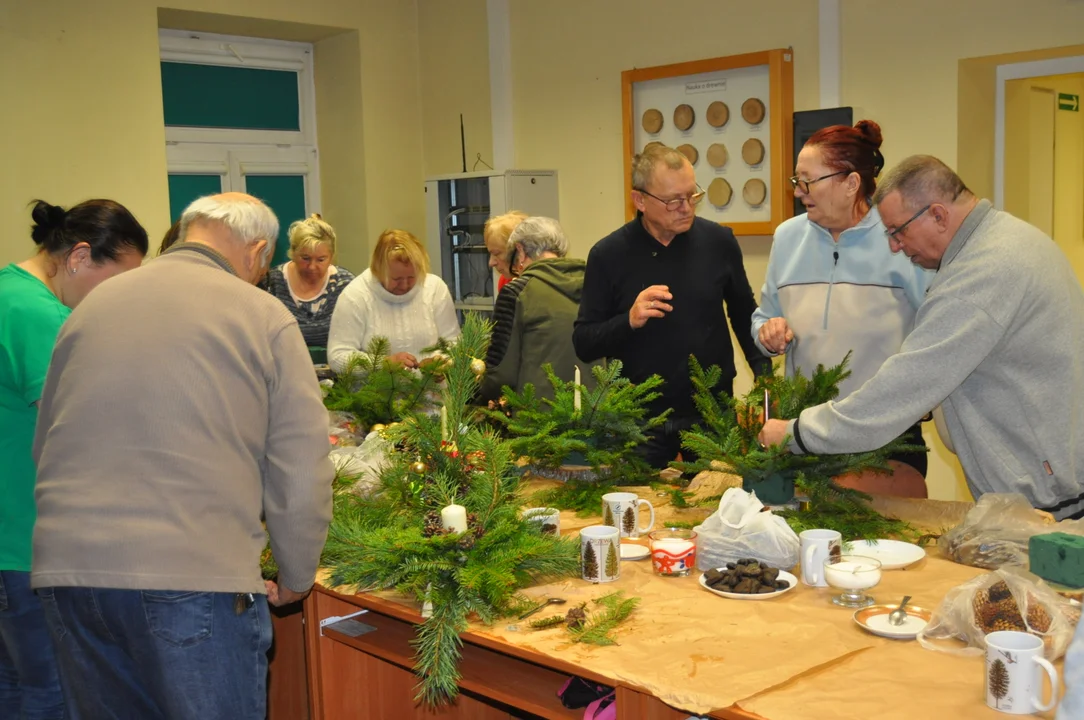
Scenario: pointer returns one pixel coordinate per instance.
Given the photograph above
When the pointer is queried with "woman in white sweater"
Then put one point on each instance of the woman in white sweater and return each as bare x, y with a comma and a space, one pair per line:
395, 298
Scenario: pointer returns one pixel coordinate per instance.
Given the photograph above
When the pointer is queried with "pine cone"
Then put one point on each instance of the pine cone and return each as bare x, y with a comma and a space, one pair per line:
474, 526
576, 617
1038, 618
433, 525
999, 591
466, 541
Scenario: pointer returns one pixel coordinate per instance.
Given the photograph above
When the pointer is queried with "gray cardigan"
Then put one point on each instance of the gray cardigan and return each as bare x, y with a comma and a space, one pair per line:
999, 344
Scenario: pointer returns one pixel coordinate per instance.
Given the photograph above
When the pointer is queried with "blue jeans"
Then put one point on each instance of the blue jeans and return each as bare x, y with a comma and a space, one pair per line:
160, 655
29, 686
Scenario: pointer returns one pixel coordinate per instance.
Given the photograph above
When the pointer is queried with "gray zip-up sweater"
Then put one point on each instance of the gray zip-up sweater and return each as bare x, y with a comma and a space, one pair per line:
999, 344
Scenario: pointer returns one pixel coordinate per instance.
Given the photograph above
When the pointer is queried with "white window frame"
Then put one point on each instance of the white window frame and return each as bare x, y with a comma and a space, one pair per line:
235, 162
235, 153
231, 51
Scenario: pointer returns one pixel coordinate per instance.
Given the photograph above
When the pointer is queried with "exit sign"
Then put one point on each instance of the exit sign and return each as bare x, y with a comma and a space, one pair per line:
1068, 102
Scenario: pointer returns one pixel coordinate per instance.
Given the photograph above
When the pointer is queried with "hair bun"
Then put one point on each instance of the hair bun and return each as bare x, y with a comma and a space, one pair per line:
47, 219
870, 131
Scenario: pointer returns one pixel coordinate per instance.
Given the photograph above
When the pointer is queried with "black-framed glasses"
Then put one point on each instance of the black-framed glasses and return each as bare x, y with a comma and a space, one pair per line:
804, 184
675, 204
894, 233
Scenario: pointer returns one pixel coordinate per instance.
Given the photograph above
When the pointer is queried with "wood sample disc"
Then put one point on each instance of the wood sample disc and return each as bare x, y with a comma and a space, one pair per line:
690, 152
719, 192
753, 111
752, 151
651, 144
717, 155
718, 114
684, 117
652, 121
755, 192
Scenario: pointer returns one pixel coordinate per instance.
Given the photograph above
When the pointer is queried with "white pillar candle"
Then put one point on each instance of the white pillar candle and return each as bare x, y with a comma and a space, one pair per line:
443, 423
454, 518
576, 391
851, 575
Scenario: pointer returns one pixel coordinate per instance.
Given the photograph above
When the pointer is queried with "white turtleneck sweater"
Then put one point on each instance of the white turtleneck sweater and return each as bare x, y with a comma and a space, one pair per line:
410, 322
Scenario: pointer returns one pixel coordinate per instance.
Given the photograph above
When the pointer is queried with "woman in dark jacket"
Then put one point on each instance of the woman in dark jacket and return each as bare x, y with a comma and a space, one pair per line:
535, 312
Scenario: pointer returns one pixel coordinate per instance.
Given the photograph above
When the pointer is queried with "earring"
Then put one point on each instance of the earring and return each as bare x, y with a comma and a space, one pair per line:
73, 271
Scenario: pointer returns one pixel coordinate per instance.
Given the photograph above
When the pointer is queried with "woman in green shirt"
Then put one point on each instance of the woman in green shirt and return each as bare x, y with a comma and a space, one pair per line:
77, 250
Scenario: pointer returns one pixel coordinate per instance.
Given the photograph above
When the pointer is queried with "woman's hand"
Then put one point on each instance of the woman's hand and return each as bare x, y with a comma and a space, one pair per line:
403, 358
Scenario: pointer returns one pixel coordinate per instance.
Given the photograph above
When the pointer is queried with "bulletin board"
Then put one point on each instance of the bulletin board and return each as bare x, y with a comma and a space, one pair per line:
733, 118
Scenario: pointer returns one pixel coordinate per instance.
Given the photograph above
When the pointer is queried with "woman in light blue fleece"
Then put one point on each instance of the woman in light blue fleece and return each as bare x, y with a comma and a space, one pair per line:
833, 285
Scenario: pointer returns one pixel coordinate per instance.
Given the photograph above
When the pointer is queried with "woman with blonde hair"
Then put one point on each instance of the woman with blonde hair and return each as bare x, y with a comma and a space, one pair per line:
396, 298
496, 232
309, 284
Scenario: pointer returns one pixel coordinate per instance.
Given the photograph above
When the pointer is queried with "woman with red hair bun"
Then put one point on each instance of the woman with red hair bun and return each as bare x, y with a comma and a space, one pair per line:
834, 286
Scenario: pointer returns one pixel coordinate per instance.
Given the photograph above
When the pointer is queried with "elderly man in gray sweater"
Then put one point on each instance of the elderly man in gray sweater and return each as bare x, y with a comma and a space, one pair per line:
180, 408
998, 344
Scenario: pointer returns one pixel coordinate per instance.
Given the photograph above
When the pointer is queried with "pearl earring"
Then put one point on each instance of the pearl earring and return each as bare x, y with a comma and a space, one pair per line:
74, 270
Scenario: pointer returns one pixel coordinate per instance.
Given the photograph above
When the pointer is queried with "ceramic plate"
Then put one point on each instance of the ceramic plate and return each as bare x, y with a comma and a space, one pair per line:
748, 596
893, 554
875, 619
631, 551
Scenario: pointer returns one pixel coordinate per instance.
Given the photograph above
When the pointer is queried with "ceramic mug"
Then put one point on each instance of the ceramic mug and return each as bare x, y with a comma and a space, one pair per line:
600, 556
548, 519
619, 509
1014, 679
816, 547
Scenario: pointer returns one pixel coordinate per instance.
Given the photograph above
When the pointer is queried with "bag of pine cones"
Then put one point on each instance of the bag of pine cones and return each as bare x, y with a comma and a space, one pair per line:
1005, 599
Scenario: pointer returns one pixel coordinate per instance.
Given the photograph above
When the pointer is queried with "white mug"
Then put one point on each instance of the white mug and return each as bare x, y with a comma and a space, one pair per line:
548, 519
816, 547
619, 509
1014, 681
600, 556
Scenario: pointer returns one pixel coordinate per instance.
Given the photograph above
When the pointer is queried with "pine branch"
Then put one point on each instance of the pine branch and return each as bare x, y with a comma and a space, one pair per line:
615, 609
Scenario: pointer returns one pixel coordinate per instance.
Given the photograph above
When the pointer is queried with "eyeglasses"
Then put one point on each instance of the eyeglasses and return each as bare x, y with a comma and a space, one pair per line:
893, 234
804, 184
675, 204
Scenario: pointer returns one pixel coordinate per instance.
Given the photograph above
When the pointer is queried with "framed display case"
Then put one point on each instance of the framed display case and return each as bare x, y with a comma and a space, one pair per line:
733, 118
457, 207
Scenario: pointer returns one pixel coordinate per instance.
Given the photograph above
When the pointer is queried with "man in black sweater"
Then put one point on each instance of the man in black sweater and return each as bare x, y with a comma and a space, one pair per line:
654, 294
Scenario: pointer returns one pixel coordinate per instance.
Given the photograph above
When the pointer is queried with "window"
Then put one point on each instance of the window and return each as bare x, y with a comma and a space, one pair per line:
240, 115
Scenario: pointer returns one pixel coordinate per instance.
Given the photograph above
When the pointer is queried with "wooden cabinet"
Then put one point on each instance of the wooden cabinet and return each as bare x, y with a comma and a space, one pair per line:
370, 677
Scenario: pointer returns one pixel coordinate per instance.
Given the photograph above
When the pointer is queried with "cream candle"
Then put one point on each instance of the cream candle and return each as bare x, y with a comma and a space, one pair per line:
576, 391
454, 518
852, 575
674, 546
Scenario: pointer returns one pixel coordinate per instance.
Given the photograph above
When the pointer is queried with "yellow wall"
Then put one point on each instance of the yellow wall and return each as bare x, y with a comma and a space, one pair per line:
88, 116
900, 59
454, 49
567, 59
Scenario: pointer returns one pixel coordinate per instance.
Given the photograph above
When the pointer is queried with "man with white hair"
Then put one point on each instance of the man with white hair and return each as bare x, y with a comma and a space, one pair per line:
998, 344
180, 408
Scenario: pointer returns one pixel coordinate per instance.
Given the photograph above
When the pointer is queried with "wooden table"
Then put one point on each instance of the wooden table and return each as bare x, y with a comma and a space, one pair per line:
512, 675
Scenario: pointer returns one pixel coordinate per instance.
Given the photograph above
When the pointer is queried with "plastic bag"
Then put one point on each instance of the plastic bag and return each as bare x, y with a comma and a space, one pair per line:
996, 531
344, 430
741, 528
1005, 599
364, 461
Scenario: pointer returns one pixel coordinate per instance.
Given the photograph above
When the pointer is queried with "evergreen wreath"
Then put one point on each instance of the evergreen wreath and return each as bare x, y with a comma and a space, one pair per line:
612, 421
394, 538
727, 440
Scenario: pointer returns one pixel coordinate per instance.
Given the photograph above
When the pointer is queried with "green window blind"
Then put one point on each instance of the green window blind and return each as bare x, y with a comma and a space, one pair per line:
285, 194
217, 96
183, 189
